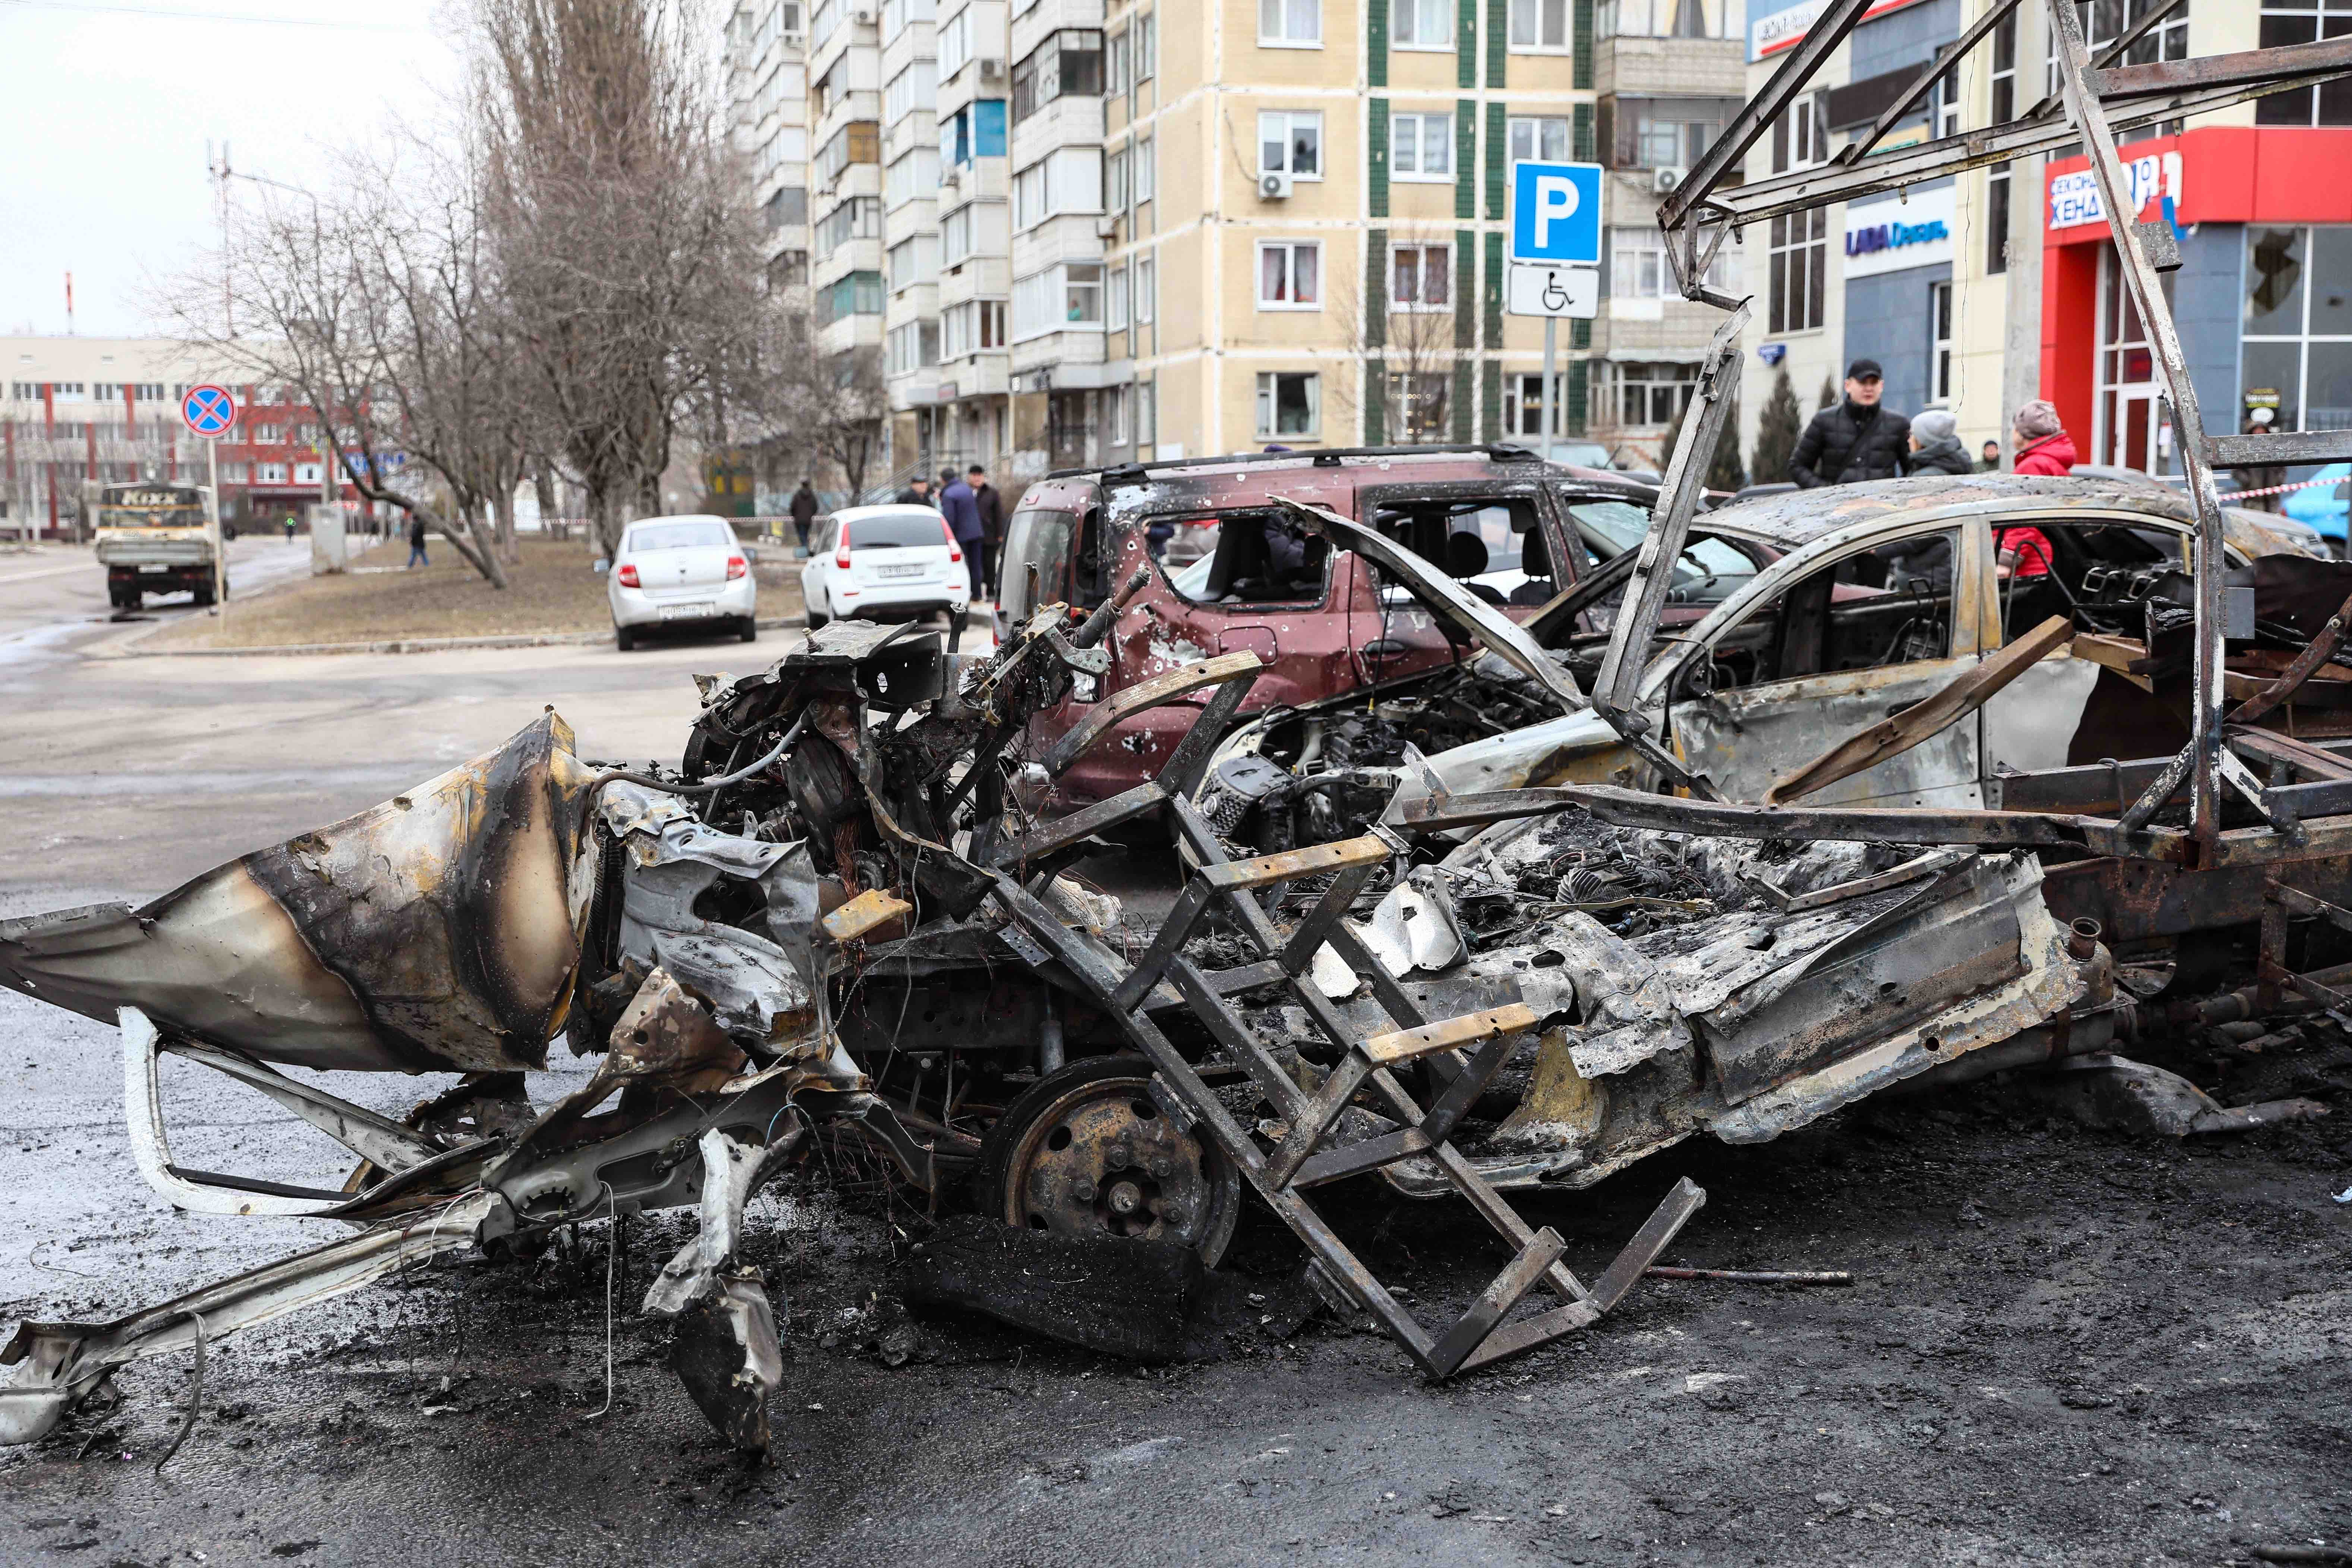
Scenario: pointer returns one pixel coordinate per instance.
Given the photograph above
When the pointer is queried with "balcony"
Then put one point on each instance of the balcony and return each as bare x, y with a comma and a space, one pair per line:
1671, 67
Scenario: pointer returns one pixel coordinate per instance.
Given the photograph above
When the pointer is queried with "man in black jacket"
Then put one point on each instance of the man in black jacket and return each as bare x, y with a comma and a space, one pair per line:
1855, 441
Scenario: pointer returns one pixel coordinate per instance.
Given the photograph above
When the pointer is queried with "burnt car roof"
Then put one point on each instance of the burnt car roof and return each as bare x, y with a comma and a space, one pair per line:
1330, 478
1798, 517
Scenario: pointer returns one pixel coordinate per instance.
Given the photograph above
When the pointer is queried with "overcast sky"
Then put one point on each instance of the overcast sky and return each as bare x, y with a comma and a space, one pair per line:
109, 108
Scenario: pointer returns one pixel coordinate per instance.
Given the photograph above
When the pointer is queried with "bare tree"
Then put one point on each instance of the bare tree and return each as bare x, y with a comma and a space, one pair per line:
375, 315
1400, 322
626, 252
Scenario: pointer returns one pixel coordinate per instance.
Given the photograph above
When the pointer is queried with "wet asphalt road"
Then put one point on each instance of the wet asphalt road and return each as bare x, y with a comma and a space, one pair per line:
2063, 1347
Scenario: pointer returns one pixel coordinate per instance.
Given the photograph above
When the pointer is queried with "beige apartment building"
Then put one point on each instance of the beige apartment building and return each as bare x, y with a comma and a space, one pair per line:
1130, 229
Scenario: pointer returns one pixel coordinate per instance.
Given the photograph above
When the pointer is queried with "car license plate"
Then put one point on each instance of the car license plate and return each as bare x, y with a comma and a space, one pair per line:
155, 566
897, 571
688, 612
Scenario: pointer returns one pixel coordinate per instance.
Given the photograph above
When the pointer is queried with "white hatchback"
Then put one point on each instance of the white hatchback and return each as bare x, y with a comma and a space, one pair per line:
684, 572
884, 562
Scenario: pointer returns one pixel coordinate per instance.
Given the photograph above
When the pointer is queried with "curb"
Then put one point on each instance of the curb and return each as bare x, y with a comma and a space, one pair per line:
396, 645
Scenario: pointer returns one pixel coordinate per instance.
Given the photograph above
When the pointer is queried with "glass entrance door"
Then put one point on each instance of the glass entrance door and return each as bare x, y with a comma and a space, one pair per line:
2128, 416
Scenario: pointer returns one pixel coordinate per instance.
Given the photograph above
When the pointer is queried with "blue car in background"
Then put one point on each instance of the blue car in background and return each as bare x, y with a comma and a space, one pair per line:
2322, 506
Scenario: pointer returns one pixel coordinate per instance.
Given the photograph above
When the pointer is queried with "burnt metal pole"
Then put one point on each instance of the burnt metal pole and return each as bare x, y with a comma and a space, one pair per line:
2141, 277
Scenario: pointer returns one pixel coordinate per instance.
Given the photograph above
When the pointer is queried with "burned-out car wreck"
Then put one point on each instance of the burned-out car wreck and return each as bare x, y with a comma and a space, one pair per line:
844, 916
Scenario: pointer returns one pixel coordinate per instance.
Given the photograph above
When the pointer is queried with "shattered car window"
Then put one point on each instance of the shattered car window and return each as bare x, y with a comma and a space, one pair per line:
1041, 538
1884, 606
679, 536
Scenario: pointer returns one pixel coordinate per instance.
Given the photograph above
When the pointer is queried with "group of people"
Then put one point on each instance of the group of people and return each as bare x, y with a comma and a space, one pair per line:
1858, 438
972, 507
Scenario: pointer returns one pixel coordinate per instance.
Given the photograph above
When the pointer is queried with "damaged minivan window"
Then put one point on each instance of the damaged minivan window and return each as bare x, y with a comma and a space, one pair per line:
1259, 558
1479, 542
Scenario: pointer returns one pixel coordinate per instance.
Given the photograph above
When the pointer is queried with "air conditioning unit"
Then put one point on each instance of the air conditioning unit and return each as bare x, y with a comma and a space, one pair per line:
1105, 228
951, 177
1664, 182
1273, 187
992, 70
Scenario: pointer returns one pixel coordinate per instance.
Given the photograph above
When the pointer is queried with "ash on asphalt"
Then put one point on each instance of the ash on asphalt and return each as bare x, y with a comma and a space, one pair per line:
2062, 1346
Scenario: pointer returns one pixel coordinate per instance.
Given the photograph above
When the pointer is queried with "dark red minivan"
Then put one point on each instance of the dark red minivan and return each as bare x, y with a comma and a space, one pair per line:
1513, 529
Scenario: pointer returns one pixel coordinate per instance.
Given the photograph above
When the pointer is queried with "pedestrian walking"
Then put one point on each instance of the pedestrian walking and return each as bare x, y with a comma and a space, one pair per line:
290, 528
1855, 441
992, 527
2043, 445
918, 492
805, 508
417, 556
961, 509
1988, 460
1936, 445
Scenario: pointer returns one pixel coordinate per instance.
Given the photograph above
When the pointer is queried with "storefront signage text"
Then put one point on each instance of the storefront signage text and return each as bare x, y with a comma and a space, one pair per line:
2075, 197
1894, 236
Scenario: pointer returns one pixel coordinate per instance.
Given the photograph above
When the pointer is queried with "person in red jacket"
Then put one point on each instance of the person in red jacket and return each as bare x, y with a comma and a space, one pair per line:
2042, 448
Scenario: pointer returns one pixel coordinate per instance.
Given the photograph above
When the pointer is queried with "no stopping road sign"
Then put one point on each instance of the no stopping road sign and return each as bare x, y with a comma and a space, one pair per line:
209, 410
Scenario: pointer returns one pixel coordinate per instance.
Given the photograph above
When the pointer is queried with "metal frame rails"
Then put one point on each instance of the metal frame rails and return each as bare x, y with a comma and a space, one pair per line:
2100, 98
1301, 1159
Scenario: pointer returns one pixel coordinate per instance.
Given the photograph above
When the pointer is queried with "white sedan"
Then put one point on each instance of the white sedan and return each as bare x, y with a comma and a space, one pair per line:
884, 562
681, 570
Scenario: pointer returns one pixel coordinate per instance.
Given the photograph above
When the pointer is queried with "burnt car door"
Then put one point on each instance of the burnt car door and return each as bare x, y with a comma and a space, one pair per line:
1506, 542
1827, 644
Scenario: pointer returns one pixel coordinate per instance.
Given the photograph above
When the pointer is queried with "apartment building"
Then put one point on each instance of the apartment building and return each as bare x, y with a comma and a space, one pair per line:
766, 70
845, 176
107, 409
1161, 231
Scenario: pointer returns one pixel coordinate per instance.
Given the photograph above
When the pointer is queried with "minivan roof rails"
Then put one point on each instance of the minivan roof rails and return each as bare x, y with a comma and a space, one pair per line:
1323, 457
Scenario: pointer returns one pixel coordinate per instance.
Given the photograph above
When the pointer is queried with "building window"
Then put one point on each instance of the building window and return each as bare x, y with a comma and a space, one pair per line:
1662, 134
1543, 140
266, 435
2296, 340
915, 259
2288, 22
1289, 403
1293, 23
2108, 20
859, 141
1115, 412
916, 88
1421, 277
1946, 99
1141, 170
1289, 275
1068, 64
269, 473
1146, 412
1116, 305
1649, 395
1147, 46
1523, 406
1422, 24
1538, 24
1069, 179
1639, 269
1146, 272
915, 176
913, 347
859, 217
1800, 253
1118, 61
1654, 19
2004, 110
857, 294
1115, 181
1939, 343
1417, 407
972, 327
1800, 136
953, 41
1421, 147
1290, 141
1059, 298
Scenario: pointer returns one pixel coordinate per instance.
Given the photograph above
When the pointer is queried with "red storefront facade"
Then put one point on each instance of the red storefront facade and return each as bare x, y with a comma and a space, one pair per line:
2230, 192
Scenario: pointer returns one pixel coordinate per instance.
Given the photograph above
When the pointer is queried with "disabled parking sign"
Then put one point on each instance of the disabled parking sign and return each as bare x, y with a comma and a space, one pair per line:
1555, 212
209, 411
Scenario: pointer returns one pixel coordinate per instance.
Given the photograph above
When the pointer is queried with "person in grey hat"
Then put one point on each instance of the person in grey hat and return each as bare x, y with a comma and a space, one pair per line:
1856, 439
1936, 445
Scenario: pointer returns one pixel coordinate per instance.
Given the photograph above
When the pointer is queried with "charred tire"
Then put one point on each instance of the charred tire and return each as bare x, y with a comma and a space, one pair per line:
1086, 1152
624, 638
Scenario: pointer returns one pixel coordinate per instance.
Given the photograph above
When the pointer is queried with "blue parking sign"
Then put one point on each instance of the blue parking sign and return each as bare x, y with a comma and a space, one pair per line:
1555, 212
